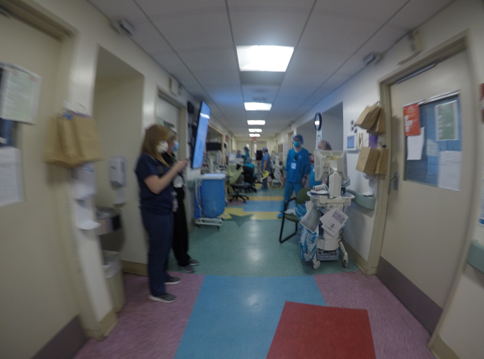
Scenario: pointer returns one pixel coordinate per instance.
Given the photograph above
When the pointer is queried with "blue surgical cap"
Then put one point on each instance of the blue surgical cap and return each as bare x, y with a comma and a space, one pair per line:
264, 149
298, 138
246, 148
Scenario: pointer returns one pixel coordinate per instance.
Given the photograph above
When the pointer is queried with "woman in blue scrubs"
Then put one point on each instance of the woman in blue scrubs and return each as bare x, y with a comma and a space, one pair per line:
298, 167
157, 201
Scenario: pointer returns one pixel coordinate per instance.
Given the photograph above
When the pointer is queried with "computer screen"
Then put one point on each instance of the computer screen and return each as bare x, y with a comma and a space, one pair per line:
325, 162
202, 129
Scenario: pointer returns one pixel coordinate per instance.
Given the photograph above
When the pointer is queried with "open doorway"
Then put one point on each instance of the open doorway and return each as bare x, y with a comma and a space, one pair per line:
118, 109
332, 127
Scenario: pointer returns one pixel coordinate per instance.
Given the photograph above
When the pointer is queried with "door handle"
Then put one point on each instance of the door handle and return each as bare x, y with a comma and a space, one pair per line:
394, 181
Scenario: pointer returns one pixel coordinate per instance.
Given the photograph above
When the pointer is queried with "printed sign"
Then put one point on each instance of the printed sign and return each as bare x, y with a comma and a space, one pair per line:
412, 120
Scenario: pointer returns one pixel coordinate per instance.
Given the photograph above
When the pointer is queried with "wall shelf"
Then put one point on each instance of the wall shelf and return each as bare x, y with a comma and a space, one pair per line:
365, 202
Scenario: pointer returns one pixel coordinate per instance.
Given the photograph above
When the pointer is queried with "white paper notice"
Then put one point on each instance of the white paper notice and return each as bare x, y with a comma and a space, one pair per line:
415, 146
19, 95
10, 176
432, 148
333, 221
449, 170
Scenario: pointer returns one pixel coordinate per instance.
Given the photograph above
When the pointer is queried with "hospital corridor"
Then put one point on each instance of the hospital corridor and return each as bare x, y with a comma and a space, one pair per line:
241, 179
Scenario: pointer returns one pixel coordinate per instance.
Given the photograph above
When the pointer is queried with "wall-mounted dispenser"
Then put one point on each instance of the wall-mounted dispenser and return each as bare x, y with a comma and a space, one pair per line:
83, 184
117, 177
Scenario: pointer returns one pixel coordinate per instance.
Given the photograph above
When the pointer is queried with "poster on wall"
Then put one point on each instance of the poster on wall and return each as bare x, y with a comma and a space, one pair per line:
411, 119
19, 94
11, 190
446, 121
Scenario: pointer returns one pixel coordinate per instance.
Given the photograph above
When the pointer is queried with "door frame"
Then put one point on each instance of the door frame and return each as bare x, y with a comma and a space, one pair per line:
453, 46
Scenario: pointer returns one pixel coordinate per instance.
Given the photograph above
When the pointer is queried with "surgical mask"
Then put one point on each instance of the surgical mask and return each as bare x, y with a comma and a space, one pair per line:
162, 147
176, 146
297, 144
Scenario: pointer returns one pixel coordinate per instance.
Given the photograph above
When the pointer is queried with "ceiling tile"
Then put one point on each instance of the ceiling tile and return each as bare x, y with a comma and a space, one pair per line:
416, 12
297, 91
171, 63
223, 59
275, 4
171, 8
212, 31
305, 78
322, 61
257, 93
337, 33
267, 28
126, 9
213, 77
256, 115
353, 65
336, 80
380, 10
150, 40
225, 95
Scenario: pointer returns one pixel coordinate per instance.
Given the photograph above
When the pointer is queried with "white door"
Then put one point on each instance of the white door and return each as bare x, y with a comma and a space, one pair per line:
426, 224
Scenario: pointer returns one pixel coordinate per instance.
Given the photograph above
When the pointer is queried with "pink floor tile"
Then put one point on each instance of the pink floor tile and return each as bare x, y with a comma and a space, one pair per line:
396, 333
147, 329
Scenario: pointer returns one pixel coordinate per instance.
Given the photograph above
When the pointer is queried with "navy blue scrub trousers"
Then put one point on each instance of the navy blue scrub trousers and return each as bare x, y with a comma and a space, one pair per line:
160, 234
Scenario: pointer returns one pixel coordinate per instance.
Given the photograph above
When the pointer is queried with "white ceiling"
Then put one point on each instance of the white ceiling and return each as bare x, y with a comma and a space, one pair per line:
195, 40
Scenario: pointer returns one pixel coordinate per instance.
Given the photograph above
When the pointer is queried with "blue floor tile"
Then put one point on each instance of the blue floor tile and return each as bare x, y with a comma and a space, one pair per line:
264, 206
236, 317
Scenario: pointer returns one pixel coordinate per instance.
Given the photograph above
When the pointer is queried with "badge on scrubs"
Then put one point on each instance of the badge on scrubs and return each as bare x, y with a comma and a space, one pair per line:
293, 165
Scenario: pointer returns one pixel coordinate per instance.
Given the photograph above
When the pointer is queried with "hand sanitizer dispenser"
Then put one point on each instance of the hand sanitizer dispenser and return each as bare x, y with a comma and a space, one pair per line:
117, 177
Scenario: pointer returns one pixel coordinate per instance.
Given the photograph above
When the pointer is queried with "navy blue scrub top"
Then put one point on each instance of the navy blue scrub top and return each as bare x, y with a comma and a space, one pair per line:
161, 203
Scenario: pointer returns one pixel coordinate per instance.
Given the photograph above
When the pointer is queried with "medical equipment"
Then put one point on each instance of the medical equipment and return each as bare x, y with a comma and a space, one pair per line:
210, 200
117, 177
331, 166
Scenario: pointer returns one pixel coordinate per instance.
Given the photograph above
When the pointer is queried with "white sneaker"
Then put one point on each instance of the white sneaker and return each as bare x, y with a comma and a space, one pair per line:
167, 298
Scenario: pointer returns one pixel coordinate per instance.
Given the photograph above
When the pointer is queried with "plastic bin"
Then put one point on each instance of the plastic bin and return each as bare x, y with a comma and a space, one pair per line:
212, 196
114, 278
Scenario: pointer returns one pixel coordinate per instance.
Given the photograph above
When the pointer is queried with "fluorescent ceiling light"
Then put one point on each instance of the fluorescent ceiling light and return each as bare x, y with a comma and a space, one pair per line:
256, 122
255, 130
264, 58
254, 135
257, 106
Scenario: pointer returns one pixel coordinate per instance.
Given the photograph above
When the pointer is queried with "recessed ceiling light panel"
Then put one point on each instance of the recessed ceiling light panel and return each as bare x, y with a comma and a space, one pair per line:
264, 58
256, 122
255, 130
254, 135
257, 106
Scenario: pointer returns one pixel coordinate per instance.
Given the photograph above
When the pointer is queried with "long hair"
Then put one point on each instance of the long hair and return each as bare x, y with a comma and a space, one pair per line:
153, 136
326, 146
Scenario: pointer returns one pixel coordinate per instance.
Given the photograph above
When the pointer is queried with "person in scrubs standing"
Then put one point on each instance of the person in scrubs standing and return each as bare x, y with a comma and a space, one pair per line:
298, 167
265, 166
157, 204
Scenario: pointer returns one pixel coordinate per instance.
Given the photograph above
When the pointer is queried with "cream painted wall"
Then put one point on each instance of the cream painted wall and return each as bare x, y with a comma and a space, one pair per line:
92, 30
37, 296
462, 328
332, 131
167, 112
118, 105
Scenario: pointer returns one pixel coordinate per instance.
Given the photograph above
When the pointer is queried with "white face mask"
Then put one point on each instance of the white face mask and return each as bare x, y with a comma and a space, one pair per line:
162, 147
